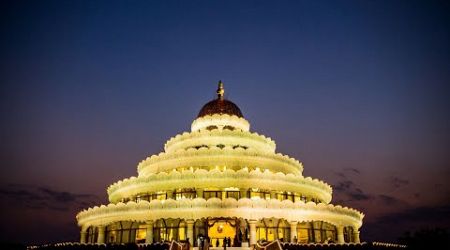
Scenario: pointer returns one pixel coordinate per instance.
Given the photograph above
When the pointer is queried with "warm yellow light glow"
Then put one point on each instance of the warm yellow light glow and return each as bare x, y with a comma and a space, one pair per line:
219, 170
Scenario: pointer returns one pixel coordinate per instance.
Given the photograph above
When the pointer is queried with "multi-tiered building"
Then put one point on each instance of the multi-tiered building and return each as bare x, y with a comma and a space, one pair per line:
220, 180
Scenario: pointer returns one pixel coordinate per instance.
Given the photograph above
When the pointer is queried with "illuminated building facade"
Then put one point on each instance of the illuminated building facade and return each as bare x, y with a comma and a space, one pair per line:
220, 180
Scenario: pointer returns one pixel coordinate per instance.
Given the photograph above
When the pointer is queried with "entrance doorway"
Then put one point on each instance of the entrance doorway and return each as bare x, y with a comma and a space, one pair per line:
219, 229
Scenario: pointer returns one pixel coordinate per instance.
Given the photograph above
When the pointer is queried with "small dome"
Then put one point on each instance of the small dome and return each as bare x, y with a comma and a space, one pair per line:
220, 105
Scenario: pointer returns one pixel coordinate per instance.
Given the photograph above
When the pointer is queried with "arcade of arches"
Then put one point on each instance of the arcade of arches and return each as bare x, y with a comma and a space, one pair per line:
216, 229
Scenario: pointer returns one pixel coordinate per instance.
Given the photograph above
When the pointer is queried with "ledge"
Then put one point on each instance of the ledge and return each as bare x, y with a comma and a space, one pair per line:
200, 208
201, 178
216, 136
230, 157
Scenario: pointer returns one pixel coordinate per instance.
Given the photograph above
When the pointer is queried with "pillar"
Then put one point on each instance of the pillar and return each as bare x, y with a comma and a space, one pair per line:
101, 235
199, 192
252, 224
340, 234
356, 235
190, 232
293, 225
149, 232
83, 234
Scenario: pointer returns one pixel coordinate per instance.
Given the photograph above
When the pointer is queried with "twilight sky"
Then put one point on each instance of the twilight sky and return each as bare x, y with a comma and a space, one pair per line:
356, 90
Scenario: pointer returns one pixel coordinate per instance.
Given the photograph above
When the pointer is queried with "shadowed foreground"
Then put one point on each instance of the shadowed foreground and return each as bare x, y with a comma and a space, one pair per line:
275, 245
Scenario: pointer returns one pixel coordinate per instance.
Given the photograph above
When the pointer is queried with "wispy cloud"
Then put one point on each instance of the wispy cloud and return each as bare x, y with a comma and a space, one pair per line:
352, 170
346, 189
439, 215
398, 182
389, 200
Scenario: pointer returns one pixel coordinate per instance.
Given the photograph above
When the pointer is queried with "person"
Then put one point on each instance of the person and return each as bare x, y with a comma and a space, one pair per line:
206, 245
295, 239
199, 242
225, 243
188, 244
229, 241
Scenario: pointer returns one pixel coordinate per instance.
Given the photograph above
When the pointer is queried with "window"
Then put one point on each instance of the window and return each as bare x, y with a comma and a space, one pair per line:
143, 197
260, 194
228, 127
185, 194
211, 127
281, 196
233, 194
159, 196
141, 232
123, 232
212, 194
348, 234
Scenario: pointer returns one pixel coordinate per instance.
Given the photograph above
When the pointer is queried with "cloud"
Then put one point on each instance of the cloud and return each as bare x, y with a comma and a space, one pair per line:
352, 170
432, 215
344, 185
346, 171
34, 197
397, 182
359, 196
351, 191
389, 200
407, 220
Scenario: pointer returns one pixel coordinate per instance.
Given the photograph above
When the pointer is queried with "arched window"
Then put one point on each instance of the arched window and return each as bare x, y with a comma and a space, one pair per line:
122, 232
303, 232
159, 230
91, 234
200, 228
273, 229
114, 233
320, 232
284, 231
169, 229
348, 234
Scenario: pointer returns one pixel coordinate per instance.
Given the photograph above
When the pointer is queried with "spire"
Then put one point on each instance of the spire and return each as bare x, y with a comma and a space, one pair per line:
220, 91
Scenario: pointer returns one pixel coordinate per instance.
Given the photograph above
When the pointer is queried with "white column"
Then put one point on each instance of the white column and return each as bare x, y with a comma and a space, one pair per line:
356, 236
293, 230
190, 232
149, 232
101, 234
83, 235
252, 224
340, 234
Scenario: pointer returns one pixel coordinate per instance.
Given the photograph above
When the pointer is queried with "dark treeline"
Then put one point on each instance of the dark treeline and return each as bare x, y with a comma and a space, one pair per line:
437, 238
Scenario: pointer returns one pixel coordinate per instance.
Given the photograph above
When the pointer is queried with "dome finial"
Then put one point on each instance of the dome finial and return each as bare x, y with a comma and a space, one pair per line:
220, 91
